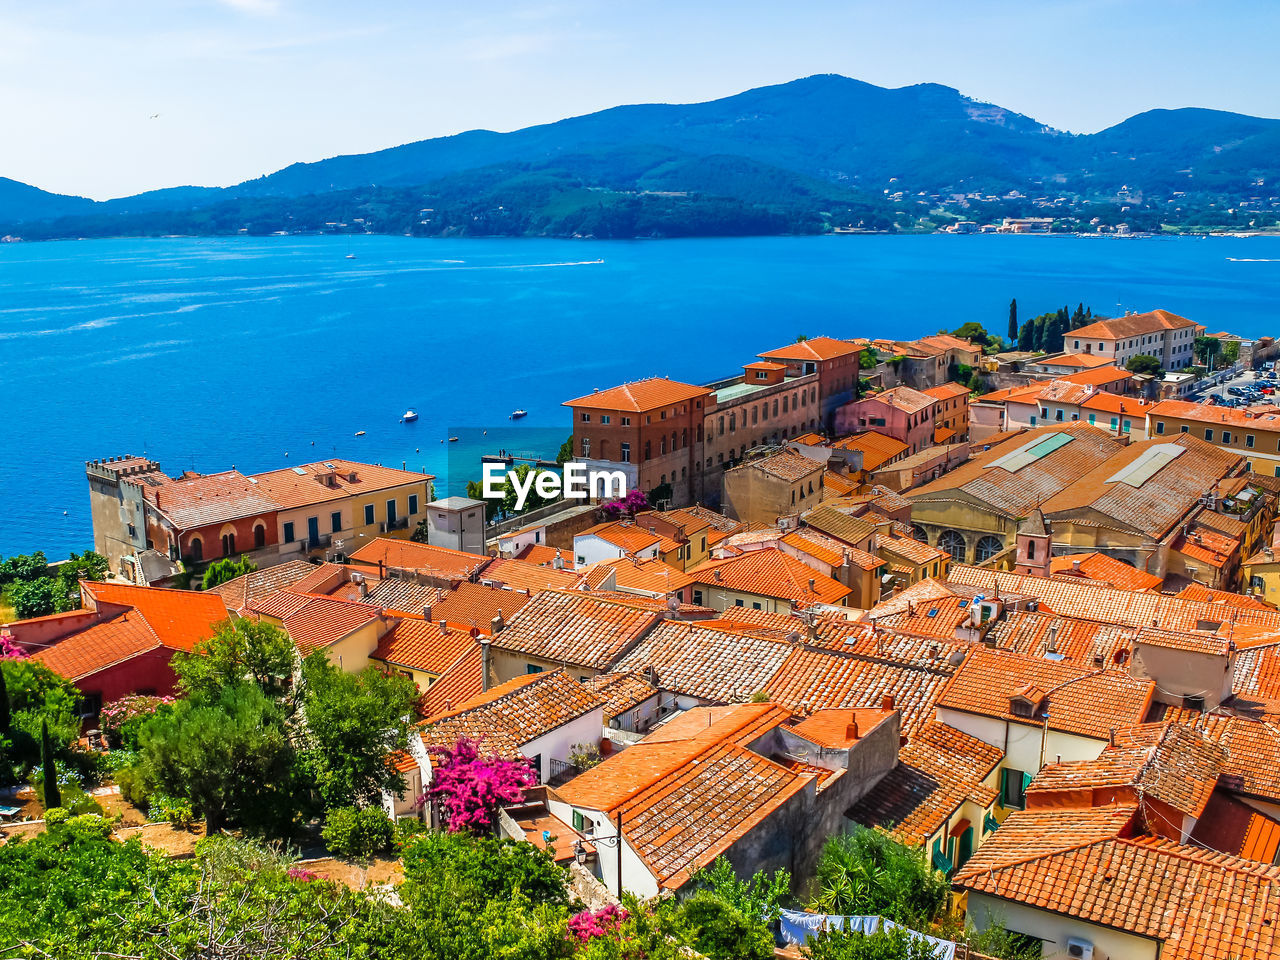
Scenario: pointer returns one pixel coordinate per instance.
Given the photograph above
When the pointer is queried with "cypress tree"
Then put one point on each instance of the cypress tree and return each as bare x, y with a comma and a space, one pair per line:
1026, 336
52, 796
1013, 320
5, 720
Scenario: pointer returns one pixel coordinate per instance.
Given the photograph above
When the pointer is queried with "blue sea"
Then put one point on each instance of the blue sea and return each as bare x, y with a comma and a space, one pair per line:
265, 352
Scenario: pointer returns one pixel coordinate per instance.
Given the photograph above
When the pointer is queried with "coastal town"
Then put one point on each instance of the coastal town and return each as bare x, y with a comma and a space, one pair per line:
969, 647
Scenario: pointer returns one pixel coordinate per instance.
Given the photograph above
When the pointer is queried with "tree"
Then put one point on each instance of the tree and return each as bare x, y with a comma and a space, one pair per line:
475, 490
77, 567
227, 752
34, 598
29, 566
474, 870
720, 931
469, 787
868, 872
976, 382
972, 331
238, 650
1013, 320
1205, 349
1143, 363
354, 722
896, 944
358, 833
221, 571
565, 453
6, 719
1026, 337
52, 796
1055, 329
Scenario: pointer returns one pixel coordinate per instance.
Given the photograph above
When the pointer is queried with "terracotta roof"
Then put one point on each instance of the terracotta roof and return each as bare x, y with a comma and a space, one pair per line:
244, 590
1026, 394
1199, 904
877, 448
196, 501
770, 573
947, 391
650, 576
1100, 567
1086, 361
1169, 762
404, 597
937, 771
697, 512
423, 558
324, 579
545, 556
626, 536
179, 618
1099, 376
1085, 643
829, 550
903, 398
575, 628
1132, 325
280, 604
814, 348
322, 621
712, 665
620, 691
810, 440
837, 483
1252, 765
1214, 415
100, 646
330, 480
424, 646
512, 714
944, 341
764, 365
785, 465
640, 396
916, 552
462, 680
474, 605
528, 577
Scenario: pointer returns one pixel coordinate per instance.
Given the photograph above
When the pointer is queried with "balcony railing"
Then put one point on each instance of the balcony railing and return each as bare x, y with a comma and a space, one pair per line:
321, 542
562, 771
388, 525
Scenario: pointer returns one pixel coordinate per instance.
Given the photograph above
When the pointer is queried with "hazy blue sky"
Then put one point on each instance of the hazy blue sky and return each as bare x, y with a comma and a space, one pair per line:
244, 87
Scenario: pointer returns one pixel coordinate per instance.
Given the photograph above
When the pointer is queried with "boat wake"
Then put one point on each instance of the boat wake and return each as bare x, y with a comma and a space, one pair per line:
1252, 260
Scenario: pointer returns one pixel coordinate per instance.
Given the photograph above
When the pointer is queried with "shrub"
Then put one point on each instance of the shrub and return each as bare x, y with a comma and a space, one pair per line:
587, 925
868, 872
55, 816
121, 720
358, 833
721, 931
174, 810
133, 785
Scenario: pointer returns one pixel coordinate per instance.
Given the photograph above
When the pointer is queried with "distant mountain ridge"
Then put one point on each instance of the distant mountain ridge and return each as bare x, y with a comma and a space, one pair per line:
822, 138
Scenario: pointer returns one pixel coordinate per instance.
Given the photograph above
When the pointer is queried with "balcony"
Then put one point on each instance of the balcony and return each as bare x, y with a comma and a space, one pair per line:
321, 542
562, 771
388, 525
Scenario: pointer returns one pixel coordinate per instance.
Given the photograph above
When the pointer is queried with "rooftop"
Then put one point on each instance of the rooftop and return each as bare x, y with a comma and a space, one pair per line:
421, 645
1132, 325
814, 348
770, 573
574, 628
641, 396
422, 558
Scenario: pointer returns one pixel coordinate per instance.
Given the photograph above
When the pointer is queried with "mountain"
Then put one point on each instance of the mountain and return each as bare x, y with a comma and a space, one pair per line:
801, 156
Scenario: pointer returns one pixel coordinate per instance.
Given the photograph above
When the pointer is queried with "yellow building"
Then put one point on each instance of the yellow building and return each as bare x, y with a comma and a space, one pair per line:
1253, 436
780, 484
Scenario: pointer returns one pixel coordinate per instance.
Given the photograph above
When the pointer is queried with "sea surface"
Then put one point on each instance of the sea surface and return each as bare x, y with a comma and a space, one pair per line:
266, 352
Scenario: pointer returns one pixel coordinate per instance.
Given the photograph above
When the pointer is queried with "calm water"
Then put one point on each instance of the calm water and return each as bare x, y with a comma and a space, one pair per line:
209, 353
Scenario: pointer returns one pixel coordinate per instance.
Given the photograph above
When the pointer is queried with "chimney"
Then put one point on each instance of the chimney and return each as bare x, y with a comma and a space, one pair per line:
1112, 736
886, 702
717, 574
484, 663
364, 587
813, 585
444, 624
1075, 566
496, 624
558, 562
426, 612
851, 731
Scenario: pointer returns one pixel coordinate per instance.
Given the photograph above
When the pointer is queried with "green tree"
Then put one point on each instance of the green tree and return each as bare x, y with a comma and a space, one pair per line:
1038, 332
358, 833
1026, 337
1013, 320
868, 872
896, 944
1143, 363
475, 490
221, 571
761, 896
226, 752
239, 650
1205, 349
52, 796
973, 331
720, 931
34, 598
77, 567
976, 383
565, 453
6, 719
1055, 328
28, 566
354, 722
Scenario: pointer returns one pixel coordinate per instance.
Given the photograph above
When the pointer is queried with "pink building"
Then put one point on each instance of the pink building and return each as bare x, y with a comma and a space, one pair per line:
901, 412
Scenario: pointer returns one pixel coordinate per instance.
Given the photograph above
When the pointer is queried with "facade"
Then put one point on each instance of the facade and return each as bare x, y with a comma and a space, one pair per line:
1253, 435
951, 423
907, 415
835, 362
651, 430
1160, 334
458, 524
778, 484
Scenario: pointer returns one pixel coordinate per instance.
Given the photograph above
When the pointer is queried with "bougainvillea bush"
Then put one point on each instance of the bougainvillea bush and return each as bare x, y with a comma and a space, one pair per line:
587, 925
121, 719
469, 786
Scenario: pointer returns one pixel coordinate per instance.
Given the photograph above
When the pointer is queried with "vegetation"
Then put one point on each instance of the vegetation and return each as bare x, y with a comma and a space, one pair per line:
868, 872
33, 588
896, 944
1144, 363
239, 650
52, 798
358, 833
1044, 333
469, 786
226, 569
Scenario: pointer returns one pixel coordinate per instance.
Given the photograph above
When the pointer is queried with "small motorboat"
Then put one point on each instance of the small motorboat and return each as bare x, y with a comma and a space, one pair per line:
359, 433
350, 256
409, 416
453, 439
517, 414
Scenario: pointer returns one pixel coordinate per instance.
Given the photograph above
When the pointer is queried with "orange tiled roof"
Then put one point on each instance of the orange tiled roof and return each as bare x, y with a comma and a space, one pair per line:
1084, 361
829, 550
1132, 325
1086, 643
640, 396
810, 439
462, 680
877, 449
770, 573
322, 621
512, 714
1214, 415
649, 576
814, 348
545, 556
947, 391
627, 536
1100, 567
320, 482
1078, 701
620, 691
474, 605
840, 525
406, 598
179, 618
248, 588
1099, 376
1198, 904
914, 551
196, 501
937, 771
576, 628
903, 398
529, 577
423, 558
838, 485
420, 645
1198, 591
786, 465
102, 645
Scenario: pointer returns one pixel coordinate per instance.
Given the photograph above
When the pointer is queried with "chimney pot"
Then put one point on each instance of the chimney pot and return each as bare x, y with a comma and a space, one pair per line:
426, 612
886, 702
851, 731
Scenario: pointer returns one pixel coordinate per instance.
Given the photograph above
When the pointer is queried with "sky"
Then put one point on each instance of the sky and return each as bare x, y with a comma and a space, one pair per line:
105, 98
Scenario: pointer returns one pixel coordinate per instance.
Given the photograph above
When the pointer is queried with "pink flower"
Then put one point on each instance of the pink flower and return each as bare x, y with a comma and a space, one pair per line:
470, 787
586, 925
10, 650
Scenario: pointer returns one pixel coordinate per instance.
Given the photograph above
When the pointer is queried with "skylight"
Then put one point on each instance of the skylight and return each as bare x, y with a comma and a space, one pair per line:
1030, 452
299, 471
1147, 465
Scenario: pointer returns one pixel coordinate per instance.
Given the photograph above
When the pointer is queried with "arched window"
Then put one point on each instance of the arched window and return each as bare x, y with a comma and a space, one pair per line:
987, 548
228, 544
917, 531
952, 543
197, 549
259, 536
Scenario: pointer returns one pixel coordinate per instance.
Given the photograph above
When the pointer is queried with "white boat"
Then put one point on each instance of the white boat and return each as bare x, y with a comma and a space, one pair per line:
409, 416
350, 256
517, 414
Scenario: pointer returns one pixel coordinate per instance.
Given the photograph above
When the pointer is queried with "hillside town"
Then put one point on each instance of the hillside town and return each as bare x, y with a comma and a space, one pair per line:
1004, 622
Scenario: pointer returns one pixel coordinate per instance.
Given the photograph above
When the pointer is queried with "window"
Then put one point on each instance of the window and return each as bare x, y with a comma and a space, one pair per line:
1208, 434
288, 532
624, 453
987, 548
1115, 422
1033, 419
413, 504
90, 704
1159, 426
626, 421
335, 520
1128, 426
1031, 549
228, 544
584, 417
1248, 440
259, 537
755, 605
579, 821
391, 512
1092, 418
368, 514
604, 418
737, 603
1058, 415
586, 446
1257, 584
697, 598
1013, 788
532, 668
1226, 436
